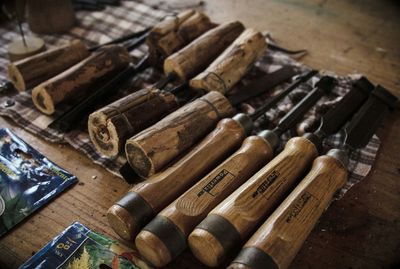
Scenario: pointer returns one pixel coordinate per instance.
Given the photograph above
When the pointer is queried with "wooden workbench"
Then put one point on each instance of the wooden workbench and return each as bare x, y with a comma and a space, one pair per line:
360, 231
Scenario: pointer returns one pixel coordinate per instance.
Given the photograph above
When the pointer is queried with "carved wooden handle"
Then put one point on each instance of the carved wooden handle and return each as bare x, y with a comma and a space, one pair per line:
111, 126
78, 80
232, 64
243, 210
31, 71
144, 201
196, 56
279, 239
150, 150
177, 220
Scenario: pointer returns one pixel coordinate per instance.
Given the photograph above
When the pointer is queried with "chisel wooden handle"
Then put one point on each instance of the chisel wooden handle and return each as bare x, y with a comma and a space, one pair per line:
150, 150
278, 240
78, 79
110, 126
170, 228
31, 71
196, 56
237, 216
232, 64
143, 201
174, 33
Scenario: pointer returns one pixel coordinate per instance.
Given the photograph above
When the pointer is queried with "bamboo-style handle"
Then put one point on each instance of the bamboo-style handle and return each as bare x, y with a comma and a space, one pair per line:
112, 125
277, 241
78, 80
174, 33
150, 150
144, 201
232, 64
172, 225
196, 56
31, 71
239, 214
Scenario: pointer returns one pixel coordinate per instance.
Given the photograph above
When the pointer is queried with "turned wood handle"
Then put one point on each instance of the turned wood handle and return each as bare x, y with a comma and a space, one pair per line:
196, 56
240, 213
31, 71
111, 126
177, 220
150, 150
232, 64
77, 81
280, 238
174, 33
143, 201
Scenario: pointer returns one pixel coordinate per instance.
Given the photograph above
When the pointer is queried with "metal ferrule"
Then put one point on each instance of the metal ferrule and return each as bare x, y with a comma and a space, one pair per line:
340, 154
271, 137
245, 121
315, 138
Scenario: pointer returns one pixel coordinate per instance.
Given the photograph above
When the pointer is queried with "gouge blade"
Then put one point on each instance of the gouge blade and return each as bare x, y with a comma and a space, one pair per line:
323, 86
275, 99
367, 119
337, 116
262, 85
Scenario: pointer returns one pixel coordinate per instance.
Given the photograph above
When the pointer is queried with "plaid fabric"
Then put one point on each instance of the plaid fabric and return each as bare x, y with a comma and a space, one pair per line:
100, 27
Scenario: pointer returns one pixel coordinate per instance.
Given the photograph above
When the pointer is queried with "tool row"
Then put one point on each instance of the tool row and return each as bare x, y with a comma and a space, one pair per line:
214, 198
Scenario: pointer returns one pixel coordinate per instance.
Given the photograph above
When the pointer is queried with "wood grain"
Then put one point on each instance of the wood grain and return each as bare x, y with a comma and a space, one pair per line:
31, 71
196, 56
254, 200
180, 176
110, 126
193, 206
78, 80
360, 230
150, 150
284, 232
223, 73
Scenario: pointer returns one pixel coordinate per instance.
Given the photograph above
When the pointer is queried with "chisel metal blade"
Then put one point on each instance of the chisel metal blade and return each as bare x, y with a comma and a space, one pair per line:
337, 116
367, 119
275, 99
262, 85
323, 86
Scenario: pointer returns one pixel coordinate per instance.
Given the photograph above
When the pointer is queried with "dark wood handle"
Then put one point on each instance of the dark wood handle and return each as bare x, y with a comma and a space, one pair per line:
196, 56
77, 81
174, 33
112, 125
189, 209
31, 71
150, 150
284, 232
176, 179
232, 64
244, 209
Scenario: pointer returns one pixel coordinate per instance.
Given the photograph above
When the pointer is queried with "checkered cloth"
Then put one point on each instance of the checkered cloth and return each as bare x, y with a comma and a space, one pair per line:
100, 27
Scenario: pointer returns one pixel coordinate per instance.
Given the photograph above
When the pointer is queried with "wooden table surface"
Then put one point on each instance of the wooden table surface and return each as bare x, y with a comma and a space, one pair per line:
362, 230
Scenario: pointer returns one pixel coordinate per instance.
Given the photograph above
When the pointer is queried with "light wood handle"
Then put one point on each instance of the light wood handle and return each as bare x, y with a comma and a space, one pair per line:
31, 71
174, 33
150, 150
282, 235
111, 126
196, 56
78, 80
130, 214
189, 209
232, 64
243, 210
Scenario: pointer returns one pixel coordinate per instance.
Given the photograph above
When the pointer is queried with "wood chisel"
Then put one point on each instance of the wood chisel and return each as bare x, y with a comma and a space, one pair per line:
234, 219
277, 241
164, 238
